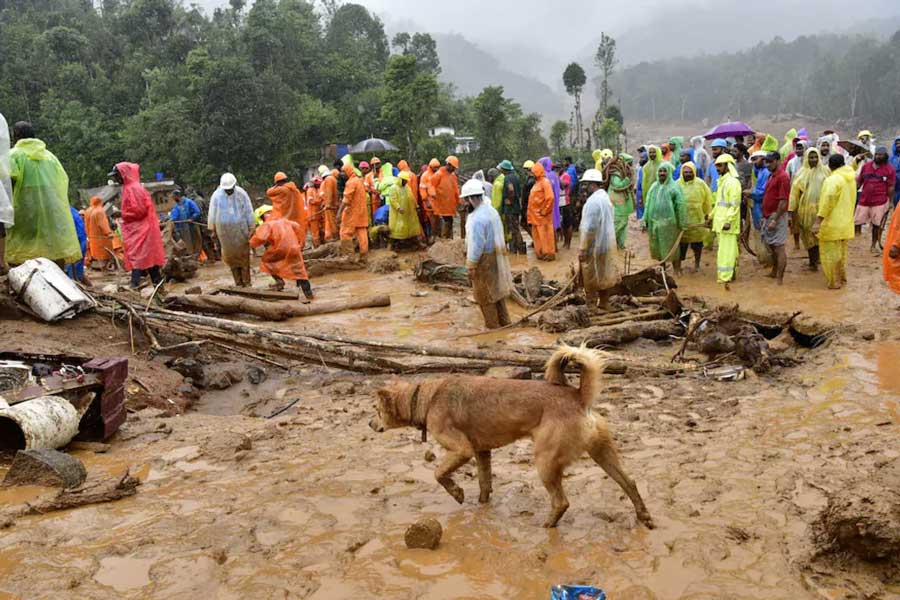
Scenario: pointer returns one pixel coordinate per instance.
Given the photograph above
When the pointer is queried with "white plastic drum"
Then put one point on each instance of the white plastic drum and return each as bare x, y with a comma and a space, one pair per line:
47, 422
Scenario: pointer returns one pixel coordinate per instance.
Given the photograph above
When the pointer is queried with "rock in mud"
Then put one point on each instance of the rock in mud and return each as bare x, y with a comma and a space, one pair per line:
191, 369
227, 445
224, 377
47, 468
430, 456
532, 280
509, 373
863, 520
194, 290
424, 533
256, 375
565, 319
448, 252
387, 264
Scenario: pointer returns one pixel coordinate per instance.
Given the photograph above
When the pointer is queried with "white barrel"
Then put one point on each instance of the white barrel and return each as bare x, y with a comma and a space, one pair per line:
46, 289
47, 422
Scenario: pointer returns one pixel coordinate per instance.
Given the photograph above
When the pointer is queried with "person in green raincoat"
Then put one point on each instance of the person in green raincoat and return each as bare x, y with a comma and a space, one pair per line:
43, 222
698, 201
804, 201
403, 219
650, 170
664, 216
618, 177
726, 219
676, 143
788, 146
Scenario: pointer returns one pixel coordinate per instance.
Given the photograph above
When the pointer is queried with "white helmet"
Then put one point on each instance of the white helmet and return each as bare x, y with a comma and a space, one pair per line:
228, 181
592, 176
472, 187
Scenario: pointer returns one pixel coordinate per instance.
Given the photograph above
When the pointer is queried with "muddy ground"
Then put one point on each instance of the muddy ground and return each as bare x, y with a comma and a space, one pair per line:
313, 504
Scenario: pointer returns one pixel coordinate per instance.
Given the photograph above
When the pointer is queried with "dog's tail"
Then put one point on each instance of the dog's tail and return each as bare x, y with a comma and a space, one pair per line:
592, 366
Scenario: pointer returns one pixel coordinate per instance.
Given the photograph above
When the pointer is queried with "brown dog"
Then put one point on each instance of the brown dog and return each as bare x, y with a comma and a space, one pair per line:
470, 416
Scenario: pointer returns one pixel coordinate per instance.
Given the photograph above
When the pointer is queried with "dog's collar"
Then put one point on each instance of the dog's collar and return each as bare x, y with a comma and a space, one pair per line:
413, 409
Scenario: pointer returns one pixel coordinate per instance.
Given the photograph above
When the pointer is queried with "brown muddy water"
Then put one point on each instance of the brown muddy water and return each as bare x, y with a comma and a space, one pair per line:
313, 504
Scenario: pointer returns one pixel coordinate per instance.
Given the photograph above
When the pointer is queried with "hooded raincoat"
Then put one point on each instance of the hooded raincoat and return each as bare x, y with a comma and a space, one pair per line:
597, 244
43, 224
620, 176
283, 257
891, 266
727, 211
185, 215
140, 223
836, 207
99, 233
698, 201
701, 156
231, 219
444, 190
664, 214
788, 146
6, 194
288, 203
404, 218
486, 255
540, 213
553, 178
676, 144
649, 173
804, 200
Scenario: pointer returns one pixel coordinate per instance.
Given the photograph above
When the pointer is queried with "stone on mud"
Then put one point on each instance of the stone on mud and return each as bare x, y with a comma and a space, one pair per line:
509, 373
565, 319
532, 281
45, 467
424, 533
224, 377
194, 290
385, 264
256, 375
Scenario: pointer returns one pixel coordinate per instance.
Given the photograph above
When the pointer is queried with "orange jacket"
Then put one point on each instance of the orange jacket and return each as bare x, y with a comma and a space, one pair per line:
444, 191
313, 203
98, 230
287, 203
355, 213
284, 256
540, 201
328, 192
425, 188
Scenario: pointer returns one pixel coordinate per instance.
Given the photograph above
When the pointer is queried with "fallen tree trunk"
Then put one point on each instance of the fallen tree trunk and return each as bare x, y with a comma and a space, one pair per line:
324, 266
270, 311
643, 315
623, 333
258, 293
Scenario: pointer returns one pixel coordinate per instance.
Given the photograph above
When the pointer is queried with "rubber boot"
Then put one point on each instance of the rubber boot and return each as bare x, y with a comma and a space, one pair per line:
304, 285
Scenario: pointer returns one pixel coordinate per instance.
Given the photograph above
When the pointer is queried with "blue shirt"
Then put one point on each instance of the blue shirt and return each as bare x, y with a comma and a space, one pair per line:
187, 210
762, 177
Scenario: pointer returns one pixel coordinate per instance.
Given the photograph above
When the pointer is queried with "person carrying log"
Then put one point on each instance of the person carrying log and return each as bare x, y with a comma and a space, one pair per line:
598, 247
486, 258
283, 258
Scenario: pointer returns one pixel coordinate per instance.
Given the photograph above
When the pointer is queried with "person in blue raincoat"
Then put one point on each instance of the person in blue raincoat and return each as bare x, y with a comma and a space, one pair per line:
895, 162
75, 270
186, 217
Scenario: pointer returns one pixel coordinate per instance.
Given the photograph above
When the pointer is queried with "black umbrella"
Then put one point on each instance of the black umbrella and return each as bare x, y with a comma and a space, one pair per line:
373, 145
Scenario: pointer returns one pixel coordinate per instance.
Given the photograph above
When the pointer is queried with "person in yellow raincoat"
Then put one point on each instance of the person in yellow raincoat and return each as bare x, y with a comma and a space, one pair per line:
785, 150
804, 201
834, 222
403, 219
698, 200
726, 219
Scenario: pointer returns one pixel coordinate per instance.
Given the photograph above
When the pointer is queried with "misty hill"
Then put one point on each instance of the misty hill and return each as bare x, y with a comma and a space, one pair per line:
471, 69
828, 76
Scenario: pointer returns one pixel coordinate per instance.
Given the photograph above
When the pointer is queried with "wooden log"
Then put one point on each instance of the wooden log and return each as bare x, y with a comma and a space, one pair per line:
329, 250
258, 293
324, 266
651, 315
623, 333
270, 311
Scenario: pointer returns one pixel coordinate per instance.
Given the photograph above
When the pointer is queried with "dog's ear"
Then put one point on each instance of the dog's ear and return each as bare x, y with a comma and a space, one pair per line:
384, 393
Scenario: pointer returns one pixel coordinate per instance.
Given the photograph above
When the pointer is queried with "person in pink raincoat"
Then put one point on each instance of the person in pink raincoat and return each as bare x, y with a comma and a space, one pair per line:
144, 252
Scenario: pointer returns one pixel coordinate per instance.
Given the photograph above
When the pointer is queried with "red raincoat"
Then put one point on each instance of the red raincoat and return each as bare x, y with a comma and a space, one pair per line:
140, 223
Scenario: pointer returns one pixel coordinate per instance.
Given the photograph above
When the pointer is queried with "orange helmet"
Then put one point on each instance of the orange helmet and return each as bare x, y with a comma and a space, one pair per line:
280, 176
452, 160
434, 163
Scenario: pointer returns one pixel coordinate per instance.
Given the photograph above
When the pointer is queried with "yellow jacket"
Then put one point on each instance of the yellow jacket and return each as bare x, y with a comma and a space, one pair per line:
728, 204
836, 205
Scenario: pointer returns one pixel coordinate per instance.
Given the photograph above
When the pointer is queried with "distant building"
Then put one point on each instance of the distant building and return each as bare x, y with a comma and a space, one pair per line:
464, 144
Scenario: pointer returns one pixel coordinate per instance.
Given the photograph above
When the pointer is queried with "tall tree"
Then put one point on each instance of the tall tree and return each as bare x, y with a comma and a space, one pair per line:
574, 79
559, 133
493, 123
409, 101
606, 61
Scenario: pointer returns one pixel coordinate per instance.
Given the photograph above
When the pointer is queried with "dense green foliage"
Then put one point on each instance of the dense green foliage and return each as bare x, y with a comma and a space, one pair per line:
829, 76
250, 90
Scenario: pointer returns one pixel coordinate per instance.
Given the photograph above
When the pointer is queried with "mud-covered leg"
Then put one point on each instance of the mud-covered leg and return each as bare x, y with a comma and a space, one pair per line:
459, 452
484, 475
551, 475
604, 454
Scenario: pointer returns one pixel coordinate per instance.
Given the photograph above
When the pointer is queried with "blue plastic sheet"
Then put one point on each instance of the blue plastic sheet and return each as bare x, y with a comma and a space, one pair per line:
576, 592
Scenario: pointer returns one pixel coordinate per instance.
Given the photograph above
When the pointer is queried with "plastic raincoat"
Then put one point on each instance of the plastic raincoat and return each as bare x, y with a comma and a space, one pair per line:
676, 144
488, 187
620, 176
540, 213
804, 200
664, 214
770, 144
287, 203
413, 180
6, 208
99, 233
185, 215
444, 190
497, 189
75, 270
43, 225
597, 243
701, 157
727, 211
231, 219
597, 155
891, 266
698, 201
140, 223
553, 178
836, 207
283, 257
328, 192
386, 180
486, 255
649, 172
788, 146
403, 219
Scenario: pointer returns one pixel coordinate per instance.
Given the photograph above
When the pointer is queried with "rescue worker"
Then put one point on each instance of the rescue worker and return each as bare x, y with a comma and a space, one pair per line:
444, 190
330, 202
287, 203
540, 215
230, 220
597, 252
426, 195
403, 219
185, 215
352, 215
726, 218
315, 214
283, 258
99, 234
141, 238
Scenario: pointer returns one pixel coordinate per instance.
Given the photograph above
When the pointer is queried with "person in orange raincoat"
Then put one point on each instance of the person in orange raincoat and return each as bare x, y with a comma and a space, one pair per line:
330, 202
288, 203
100, 235
891, 259
444, 193
352, 215
283, 258
425, 198
315, 216
540, 214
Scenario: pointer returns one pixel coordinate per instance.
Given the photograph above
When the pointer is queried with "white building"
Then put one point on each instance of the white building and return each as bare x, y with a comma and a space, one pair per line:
464, 144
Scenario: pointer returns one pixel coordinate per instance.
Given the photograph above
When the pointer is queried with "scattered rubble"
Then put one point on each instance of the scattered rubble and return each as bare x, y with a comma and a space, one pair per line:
45, 467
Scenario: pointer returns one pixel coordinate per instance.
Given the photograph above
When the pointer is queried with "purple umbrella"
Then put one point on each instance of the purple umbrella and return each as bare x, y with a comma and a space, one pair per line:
725, 130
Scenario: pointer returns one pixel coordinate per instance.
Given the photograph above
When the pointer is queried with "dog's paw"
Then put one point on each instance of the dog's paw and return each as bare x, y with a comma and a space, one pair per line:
484, 498
458, 494
647, 520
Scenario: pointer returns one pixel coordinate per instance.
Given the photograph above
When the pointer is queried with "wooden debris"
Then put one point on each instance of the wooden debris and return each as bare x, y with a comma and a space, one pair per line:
622, 333
106, 491
258, 293
270, 311
323, 266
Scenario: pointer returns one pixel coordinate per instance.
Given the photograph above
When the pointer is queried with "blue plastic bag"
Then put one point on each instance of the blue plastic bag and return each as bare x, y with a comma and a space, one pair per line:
576, 592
